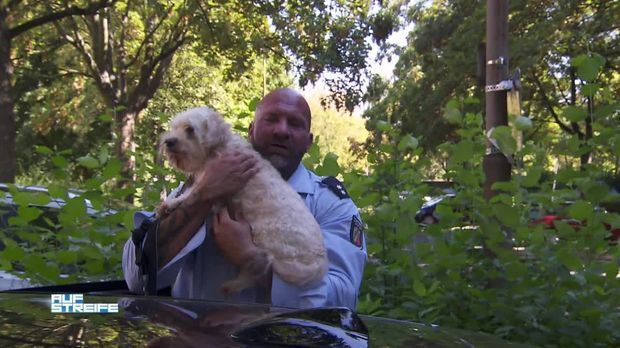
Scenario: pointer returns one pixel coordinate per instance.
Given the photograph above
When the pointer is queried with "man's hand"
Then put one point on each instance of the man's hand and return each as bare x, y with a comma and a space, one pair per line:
233, 236
223, 176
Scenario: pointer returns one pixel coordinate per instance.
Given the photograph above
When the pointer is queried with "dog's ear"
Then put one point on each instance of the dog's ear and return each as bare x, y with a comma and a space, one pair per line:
218, 130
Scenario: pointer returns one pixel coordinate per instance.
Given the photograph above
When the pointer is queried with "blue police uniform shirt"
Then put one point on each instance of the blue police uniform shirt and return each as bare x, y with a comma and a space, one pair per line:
199, 269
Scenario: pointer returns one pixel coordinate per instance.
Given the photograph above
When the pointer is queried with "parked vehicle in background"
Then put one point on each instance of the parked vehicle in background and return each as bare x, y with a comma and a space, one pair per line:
45, 239
427, 215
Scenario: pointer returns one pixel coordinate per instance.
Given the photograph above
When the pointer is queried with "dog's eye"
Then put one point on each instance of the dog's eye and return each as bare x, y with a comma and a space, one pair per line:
189, 130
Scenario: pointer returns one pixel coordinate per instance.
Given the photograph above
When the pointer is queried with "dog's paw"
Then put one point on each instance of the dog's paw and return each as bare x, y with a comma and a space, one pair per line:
162, 210
229, 289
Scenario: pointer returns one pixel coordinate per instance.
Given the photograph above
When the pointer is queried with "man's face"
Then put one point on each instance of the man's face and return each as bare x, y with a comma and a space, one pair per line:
281, 130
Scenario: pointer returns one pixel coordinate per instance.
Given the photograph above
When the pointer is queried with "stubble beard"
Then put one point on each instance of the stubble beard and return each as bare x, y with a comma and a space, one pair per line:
278, 161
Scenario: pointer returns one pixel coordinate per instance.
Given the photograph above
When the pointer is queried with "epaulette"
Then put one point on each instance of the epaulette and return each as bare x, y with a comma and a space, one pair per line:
335, 186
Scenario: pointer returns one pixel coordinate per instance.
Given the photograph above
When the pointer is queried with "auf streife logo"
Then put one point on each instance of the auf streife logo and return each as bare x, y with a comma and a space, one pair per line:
74, 303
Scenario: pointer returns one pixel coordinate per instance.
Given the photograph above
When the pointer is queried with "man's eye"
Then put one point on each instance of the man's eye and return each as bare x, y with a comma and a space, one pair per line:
296, 123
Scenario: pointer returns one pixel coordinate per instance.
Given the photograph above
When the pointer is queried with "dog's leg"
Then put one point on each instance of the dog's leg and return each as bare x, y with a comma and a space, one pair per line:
170, 204
249, 274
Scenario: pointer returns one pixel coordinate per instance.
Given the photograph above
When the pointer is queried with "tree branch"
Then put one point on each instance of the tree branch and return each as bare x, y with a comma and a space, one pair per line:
147, 38
549, 106
55, 16
12, 4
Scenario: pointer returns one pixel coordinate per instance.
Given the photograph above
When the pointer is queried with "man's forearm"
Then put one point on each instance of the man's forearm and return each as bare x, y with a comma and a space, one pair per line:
178, 227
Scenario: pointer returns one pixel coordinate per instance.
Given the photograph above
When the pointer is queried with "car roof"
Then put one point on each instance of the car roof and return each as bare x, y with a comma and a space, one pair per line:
149, 319
55, 203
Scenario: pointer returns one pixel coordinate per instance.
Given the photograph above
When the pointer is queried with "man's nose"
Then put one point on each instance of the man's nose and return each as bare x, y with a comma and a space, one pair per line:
281, 129
171, 142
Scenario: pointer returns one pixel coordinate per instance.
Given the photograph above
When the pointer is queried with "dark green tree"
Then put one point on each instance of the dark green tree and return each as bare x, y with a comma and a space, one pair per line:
16, 18
440, 63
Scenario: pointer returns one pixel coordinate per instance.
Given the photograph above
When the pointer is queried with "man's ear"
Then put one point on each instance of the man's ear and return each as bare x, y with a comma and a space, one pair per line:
310, 140
250, 130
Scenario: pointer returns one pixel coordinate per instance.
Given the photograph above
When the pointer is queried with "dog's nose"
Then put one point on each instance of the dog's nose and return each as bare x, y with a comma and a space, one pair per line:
170, 142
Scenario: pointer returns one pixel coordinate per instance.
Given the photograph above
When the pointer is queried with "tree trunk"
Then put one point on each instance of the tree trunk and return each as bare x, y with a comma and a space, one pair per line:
7, 116
126, 146
587, 157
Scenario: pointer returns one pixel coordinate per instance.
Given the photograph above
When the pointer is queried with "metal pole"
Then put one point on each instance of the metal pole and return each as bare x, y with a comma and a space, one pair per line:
495, 164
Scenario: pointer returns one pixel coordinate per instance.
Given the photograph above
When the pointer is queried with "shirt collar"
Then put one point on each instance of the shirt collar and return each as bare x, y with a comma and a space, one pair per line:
301, 180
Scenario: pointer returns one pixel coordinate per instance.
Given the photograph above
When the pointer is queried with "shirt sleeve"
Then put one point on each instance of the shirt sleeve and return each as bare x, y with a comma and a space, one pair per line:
167, 275
340, 286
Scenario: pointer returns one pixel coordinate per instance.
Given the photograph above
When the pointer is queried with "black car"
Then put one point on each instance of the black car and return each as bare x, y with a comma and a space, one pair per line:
27, 320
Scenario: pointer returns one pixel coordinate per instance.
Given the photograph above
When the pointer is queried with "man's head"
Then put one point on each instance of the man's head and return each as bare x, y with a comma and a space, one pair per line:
281, 129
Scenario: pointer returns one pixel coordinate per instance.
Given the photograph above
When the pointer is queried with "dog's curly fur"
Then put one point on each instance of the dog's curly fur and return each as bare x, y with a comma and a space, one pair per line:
282, 226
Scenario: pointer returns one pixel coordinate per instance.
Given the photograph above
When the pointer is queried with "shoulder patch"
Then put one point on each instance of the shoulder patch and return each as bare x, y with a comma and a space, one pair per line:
335, 186
357, 232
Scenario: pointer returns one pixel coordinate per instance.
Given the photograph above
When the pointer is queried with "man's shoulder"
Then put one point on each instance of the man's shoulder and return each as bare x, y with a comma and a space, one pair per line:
329, 189
335, 186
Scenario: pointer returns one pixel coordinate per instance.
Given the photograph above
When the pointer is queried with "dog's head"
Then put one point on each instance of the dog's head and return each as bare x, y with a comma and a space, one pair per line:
193, 137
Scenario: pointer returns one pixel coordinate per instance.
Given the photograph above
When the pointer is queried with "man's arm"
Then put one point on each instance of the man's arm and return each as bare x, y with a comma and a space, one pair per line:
178, 227
223, 176
178, 234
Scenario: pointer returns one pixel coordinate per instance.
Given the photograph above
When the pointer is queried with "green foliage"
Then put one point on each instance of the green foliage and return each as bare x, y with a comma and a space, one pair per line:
486, 266
64, 236
337, 132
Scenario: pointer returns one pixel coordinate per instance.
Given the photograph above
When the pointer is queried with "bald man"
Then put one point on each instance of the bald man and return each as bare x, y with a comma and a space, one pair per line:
198, 252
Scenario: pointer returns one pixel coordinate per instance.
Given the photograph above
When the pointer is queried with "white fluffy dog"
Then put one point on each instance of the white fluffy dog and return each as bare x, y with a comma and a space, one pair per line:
282, 226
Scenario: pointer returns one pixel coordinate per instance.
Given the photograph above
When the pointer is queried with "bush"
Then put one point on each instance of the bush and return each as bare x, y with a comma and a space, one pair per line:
485, 266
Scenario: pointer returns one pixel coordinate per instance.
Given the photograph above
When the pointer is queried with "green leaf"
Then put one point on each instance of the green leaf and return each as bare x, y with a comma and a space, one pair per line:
13, 253
28, 214
574, 114
532, 177
505, 141
67, 257
34, 263
60, 162
451, 112
44, 150
105, 118
589, 68
104, 155
507, 215
330, 165
580, 210
112, 169
253, 103
419, 288
94, 183
28, 198
383, 126
515, 270
578, 60
88, 162
471, 100
463, 151
75, 207
407, 142
590, 89
596, 192
506, 186
523, 123
386, 148
57, 191
568, 258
